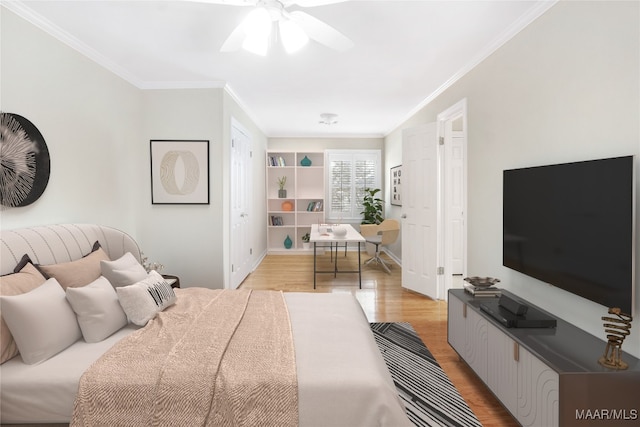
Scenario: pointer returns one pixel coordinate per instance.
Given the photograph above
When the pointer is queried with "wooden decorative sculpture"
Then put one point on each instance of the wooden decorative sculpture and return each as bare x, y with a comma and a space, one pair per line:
617, 329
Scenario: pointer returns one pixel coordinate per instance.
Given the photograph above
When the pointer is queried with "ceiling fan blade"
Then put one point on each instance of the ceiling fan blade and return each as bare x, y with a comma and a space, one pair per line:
321, 32
234, 41
313, 3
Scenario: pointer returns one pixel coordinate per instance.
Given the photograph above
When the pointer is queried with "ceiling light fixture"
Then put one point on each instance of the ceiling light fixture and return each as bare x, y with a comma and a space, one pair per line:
258, 28
293, 37
328, 119
294, 30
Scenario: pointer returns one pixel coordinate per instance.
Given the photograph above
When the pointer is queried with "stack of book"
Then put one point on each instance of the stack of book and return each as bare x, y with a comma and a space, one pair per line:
277, 161
482, 286
275, 220
477, 291
314, 206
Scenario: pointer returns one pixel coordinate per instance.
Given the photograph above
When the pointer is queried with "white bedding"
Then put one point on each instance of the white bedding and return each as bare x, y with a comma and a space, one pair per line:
342, 378
44, 393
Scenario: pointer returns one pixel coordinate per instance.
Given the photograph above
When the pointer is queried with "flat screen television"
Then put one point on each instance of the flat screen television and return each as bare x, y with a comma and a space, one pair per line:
572, 225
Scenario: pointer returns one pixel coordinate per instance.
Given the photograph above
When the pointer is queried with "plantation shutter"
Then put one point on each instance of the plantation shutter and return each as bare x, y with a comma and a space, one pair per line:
349, 173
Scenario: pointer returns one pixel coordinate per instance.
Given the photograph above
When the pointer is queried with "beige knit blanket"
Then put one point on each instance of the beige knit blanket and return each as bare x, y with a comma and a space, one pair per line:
215, 358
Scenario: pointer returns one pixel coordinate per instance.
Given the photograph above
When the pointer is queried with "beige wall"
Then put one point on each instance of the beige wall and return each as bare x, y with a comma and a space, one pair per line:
89, 119
187, 239
566, 88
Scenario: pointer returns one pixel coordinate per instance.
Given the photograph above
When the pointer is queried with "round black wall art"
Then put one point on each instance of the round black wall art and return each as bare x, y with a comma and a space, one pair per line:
24, 161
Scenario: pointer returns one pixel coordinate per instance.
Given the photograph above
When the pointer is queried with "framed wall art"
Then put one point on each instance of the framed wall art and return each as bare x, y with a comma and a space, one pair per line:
396, 185
179, 172
24, 161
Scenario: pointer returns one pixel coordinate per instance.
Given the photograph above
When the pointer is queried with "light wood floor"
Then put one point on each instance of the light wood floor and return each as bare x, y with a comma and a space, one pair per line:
384, 300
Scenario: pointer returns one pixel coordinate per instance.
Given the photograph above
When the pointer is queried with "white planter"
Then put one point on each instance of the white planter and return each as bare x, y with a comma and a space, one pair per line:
306, 245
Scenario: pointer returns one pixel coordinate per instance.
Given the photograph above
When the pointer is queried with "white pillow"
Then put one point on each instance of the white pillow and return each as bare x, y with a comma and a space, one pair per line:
141, 301
124, 271
41, 321
98, 310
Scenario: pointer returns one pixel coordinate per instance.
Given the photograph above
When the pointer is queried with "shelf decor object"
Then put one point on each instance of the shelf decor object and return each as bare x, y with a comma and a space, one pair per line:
282, 192
305, 161
288, 242
287, 206
482, 286
617, 329
24, 162
179, 172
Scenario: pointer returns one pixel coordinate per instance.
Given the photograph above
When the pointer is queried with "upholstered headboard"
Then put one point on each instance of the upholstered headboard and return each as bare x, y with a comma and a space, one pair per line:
53, 244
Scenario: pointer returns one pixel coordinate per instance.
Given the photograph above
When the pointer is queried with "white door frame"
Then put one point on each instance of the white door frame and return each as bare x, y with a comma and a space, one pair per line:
444, 119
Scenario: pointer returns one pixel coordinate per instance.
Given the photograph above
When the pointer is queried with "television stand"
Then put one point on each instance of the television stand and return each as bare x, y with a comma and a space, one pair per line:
543, 376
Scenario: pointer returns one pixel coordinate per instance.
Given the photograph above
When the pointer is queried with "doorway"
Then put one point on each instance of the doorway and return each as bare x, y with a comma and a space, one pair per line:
241, 180
452, 132
434, 226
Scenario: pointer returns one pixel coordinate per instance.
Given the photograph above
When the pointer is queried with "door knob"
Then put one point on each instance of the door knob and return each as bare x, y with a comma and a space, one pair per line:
404, 216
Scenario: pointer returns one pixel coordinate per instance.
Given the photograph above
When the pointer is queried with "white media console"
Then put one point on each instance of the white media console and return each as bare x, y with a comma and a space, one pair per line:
544, 376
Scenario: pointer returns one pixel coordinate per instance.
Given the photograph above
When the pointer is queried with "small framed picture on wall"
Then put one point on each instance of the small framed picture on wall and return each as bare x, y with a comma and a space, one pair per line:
396, 185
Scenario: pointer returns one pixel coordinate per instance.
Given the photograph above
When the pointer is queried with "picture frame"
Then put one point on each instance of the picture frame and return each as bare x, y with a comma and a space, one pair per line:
396, 185
179, 172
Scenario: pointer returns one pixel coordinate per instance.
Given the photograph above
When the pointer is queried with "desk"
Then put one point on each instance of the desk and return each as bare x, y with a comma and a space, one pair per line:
323, 234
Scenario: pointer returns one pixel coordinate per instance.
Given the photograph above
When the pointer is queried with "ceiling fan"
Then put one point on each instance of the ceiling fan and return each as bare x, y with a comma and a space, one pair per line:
294, 29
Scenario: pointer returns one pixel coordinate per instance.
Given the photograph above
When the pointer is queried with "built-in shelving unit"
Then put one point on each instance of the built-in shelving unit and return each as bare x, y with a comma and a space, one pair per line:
304, 203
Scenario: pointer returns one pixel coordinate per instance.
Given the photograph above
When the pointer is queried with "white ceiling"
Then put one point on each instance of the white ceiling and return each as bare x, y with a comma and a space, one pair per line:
405, 53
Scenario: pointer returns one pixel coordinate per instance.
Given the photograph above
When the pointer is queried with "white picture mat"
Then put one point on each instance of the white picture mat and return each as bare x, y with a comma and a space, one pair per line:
179, 172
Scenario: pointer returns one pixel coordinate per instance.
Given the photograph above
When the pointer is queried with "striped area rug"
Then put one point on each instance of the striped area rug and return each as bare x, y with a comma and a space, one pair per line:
428, 394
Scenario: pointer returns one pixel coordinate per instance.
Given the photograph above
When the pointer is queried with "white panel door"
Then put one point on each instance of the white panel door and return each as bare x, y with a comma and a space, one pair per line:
420, 164
240, 243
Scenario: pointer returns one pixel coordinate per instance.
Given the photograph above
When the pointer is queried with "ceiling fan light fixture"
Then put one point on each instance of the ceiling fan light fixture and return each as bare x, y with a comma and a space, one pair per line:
257, 28
292, 35
256, 44
257, 32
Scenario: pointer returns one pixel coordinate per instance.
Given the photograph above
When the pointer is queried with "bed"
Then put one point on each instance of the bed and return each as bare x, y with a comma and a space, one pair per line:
340, 376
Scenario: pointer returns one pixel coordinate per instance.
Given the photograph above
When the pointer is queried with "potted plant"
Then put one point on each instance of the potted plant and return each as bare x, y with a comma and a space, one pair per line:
372, 216
373, 206
305, 241
282, 193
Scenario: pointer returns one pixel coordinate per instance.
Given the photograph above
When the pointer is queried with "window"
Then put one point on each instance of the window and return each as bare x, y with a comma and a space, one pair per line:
349, 173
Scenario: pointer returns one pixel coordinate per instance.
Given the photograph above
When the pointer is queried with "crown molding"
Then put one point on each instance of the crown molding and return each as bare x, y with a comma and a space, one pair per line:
520, 24
245, 109
28, 14
20, 8
205, 84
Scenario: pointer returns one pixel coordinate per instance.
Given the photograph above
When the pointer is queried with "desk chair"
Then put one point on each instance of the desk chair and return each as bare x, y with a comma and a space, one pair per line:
385, 234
